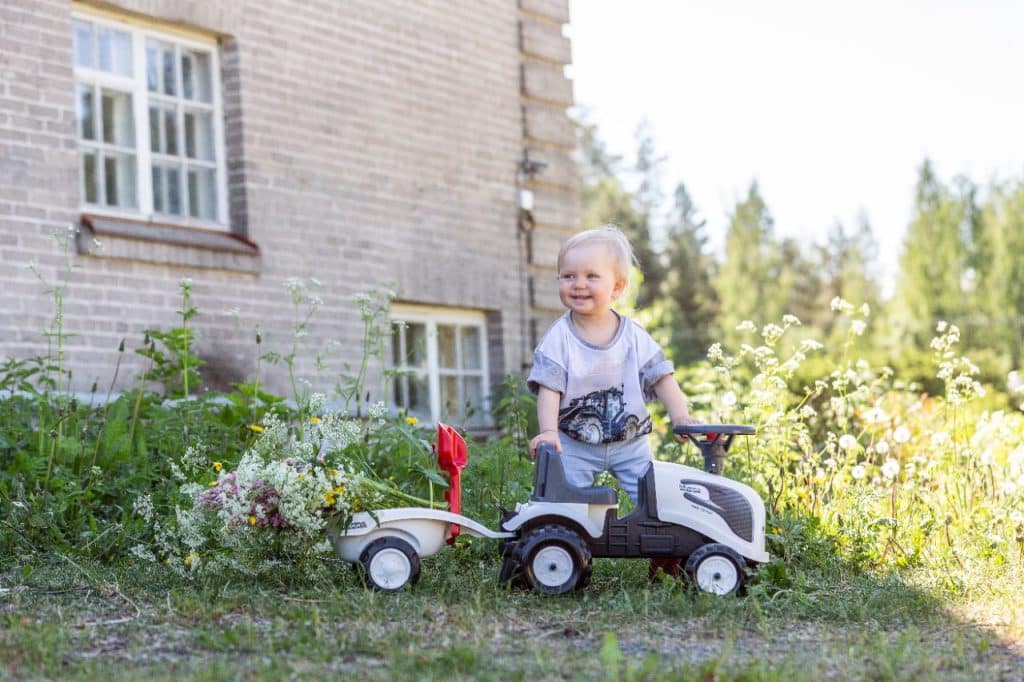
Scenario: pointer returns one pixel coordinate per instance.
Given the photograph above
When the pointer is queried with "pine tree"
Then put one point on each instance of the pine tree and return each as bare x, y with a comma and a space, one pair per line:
688, 284
1000, 270
934, 275
748, 282
647, 204
848, 271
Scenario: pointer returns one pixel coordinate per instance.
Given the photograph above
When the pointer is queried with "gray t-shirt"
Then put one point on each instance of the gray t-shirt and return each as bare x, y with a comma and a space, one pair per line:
604, 388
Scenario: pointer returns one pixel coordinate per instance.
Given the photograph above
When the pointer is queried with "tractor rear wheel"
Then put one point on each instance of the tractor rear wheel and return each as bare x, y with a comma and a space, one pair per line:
554, 559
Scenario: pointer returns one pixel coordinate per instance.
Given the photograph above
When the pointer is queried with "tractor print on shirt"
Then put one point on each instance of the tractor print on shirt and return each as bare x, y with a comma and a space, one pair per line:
601, 417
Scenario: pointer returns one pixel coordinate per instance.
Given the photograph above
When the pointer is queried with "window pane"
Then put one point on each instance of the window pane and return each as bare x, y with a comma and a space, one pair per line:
451, 406
202, 193
167, 189
83, 44
473, 390
470, 347
446, 346
171, 130
154, 130
195, 76
85, 112
199, 135
415, 345
158, 189
90, 182
115, 51
117, 118
396, 348
170, 81
419, 396
119, 179
153, 67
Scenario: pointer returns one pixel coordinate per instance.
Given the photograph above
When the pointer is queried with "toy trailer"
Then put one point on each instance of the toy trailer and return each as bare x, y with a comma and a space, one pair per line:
387, 544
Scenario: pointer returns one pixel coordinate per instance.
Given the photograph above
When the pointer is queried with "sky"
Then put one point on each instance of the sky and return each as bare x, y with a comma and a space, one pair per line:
831, 106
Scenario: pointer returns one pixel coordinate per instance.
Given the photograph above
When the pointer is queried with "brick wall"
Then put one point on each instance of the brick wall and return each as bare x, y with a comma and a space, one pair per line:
369, 144
548, 138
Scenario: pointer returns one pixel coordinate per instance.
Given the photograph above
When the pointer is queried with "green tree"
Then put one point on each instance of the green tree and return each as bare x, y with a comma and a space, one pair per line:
647, 202
999, 267
748, 282
934, 282
848, 271
688, 287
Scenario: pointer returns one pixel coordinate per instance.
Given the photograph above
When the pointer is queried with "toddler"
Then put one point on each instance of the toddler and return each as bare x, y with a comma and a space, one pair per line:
594, 370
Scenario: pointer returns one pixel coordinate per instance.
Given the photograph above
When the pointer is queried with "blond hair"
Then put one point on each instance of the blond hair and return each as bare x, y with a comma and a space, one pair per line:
613, 238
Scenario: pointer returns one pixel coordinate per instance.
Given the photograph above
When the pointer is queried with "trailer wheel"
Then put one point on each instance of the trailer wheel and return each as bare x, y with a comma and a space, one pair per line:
716, 568
554, 559
389, 564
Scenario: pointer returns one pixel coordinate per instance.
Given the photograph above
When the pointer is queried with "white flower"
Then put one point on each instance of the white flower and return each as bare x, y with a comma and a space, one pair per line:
865, 310
848, 442
901, 434
890, 468
791, 320
143, 506
841, 305
808, 345
875, 415
940, 439
729, 399
746, 326
881, 447
858, 327
858, 472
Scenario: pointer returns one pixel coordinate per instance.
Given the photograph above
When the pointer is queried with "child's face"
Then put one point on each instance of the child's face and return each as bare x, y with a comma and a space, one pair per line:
587, 281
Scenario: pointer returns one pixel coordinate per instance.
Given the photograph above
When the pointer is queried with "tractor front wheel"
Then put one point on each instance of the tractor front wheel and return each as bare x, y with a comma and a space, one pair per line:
716, 568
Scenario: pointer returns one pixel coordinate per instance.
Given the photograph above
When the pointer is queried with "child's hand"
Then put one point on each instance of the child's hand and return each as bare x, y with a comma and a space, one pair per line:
545, 437
684, 421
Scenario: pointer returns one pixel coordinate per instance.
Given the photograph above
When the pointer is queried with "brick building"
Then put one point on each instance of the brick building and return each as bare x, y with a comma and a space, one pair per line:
418, 146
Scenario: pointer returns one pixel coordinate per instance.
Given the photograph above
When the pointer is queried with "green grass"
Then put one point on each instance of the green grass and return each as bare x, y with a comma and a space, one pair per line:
81, 621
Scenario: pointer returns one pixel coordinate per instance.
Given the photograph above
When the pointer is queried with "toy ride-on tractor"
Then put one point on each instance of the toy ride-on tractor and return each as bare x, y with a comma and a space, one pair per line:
714, 524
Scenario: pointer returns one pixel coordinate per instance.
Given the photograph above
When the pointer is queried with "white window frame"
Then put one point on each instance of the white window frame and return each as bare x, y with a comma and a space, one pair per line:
431, 317
139, 32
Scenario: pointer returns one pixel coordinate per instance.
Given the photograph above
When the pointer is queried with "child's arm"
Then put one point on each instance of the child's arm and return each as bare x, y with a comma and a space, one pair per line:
547, 419
672, 398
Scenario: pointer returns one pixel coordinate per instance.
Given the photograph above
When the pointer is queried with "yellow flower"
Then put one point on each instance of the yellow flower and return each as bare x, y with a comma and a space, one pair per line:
329, 499
340, 490
213, 483
255, 428
217, 466
412, 421
252, 520
314, 420
192, 556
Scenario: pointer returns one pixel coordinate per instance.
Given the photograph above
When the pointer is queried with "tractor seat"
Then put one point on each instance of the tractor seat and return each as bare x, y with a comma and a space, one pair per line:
549, 483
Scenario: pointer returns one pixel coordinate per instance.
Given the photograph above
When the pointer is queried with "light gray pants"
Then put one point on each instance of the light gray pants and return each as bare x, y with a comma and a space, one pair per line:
626, 460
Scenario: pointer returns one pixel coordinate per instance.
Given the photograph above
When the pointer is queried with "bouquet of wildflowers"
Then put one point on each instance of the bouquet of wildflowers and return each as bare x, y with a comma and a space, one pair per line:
277, 502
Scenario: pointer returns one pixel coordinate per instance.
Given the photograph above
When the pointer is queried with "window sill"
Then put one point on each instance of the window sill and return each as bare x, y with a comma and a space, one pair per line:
166, 244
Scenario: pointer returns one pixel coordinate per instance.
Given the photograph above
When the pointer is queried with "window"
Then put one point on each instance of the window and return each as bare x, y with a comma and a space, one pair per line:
440, 360
148, 118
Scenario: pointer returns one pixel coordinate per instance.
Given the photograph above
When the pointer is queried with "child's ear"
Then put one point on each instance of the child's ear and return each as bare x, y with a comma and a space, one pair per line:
619, 288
